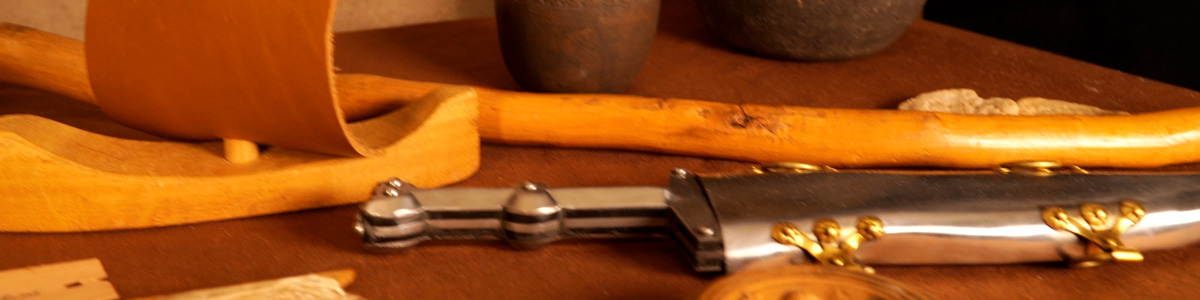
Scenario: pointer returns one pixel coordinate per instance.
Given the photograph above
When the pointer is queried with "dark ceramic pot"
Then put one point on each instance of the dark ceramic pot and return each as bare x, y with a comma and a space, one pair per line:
810, 30
576, 46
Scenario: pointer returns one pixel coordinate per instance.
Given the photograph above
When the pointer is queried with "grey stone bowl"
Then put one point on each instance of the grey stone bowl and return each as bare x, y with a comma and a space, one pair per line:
810, 30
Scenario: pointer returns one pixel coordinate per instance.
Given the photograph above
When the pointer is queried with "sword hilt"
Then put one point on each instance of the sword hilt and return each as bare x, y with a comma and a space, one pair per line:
399, 215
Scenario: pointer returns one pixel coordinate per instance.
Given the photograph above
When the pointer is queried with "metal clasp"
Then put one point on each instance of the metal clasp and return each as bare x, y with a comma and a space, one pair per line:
830, 247
1038, 168
1104, 243
790, 167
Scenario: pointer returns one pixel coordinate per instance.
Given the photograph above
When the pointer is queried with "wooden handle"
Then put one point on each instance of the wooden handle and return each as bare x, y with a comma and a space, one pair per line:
762, 133
46, 61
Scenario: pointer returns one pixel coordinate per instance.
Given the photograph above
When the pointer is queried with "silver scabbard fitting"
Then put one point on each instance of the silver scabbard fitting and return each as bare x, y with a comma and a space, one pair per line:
529, 216
392, 219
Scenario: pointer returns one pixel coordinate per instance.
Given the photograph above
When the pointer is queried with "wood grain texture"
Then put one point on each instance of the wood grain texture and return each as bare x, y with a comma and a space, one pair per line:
765, 133
58, 178
45, 61
824, 136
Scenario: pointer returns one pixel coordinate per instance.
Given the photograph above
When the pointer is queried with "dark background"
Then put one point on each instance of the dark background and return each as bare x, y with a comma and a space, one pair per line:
1155, 39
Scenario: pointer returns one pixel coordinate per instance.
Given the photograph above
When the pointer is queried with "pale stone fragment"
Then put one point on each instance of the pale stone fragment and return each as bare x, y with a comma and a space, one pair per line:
960, 101
967, 101
1034, 106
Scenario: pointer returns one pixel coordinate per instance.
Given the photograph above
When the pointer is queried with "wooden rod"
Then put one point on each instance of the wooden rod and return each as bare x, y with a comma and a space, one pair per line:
240, 151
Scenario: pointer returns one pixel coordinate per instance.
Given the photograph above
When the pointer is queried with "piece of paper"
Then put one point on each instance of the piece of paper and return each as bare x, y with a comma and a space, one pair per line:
75, 280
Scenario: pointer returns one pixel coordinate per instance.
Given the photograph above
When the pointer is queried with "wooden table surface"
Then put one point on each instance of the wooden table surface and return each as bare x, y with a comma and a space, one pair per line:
686, 62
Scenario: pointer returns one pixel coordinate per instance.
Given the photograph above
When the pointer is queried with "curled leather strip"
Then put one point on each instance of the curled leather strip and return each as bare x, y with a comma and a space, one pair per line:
252, 70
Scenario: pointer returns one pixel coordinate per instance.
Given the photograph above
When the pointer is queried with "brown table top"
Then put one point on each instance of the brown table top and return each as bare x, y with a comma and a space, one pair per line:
686, 62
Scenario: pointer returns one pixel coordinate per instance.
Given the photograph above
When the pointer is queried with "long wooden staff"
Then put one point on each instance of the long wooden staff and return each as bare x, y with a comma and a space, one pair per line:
749, 132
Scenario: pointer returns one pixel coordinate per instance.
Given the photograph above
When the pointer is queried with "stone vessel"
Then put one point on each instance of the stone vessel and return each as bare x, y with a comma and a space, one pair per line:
810, 30
576, 46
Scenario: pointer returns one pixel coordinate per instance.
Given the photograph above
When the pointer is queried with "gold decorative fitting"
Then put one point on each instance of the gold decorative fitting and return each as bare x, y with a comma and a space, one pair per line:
830, 247
1038, 168
1103, 242
790, 167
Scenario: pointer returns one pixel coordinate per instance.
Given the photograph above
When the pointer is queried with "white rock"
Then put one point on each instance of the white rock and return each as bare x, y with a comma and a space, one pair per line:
1036, 106
967, 101
960, 101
